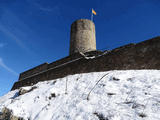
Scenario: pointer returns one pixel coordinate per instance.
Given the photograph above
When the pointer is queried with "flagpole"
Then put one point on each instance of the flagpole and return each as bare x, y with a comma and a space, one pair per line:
92, 16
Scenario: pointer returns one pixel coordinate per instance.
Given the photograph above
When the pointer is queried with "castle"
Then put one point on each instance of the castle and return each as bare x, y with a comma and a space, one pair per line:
83, 57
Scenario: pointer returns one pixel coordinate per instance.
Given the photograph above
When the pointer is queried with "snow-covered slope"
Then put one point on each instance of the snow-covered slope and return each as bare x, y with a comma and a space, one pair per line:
116, 95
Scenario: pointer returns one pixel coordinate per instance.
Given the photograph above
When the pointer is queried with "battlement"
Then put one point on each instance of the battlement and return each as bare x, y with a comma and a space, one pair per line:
143, 55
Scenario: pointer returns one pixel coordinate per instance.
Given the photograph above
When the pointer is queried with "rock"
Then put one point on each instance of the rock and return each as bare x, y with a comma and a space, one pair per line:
100, 116
142, 115
116, 79
7, 114
23, 90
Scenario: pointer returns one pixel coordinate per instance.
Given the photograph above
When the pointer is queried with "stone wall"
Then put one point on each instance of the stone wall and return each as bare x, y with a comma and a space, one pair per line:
144, 55
63, 60
33, 71
45, 66
82, 38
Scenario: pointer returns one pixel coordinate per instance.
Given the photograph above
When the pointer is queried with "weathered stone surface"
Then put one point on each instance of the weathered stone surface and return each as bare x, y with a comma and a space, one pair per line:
82, 37
23, 91
8, 115
32, 71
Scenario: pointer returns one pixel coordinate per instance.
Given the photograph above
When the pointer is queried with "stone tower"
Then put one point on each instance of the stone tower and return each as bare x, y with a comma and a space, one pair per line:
82, 38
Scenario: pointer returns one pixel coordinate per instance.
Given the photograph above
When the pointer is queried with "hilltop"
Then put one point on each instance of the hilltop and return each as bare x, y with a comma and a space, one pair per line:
115, 95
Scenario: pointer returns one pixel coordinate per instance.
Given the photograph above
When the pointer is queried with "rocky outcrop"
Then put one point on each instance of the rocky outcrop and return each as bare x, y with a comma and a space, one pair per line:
7, 114
23, 90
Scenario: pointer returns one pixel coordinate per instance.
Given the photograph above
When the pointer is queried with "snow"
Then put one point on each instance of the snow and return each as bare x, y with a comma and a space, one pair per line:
120, 95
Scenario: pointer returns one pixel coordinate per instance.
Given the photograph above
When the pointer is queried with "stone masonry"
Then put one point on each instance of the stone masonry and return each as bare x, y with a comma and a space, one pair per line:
143, 55
82, 38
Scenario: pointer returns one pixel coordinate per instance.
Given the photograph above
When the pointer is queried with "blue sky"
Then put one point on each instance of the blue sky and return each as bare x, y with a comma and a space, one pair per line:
36, 31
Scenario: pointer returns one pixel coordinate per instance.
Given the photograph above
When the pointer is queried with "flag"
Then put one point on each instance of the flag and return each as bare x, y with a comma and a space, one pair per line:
94, 12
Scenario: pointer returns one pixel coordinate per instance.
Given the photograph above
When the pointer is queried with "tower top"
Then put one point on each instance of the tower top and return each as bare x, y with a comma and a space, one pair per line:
82, 38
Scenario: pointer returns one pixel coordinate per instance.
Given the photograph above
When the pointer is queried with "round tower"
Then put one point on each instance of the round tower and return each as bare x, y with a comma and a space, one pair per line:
82, 38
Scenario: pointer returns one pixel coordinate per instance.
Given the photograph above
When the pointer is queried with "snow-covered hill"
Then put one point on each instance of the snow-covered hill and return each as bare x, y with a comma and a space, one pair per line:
115, 95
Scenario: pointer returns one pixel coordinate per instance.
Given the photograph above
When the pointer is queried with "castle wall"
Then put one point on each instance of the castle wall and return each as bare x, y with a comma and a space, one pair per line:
144, 55
33, 71
63, 60
45, 66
